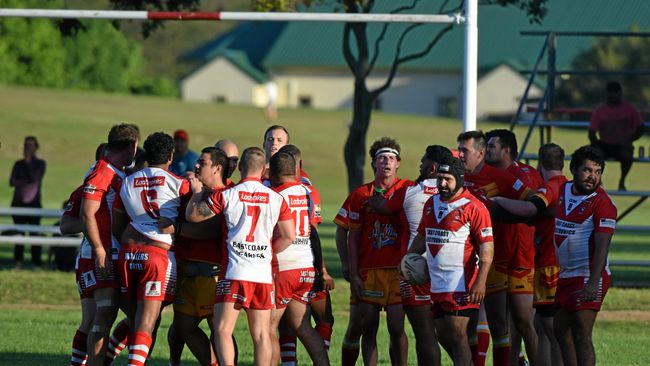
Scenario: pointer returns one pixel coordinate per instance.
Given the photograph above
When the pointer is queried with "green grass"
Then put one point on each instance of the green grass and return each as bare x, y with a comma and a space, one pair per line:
39, 309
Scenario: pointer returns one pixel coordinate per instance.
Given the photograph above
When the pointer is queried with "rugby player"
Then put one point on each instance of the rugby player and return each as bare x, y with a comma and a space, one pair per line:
232, 152
275, 137
456, 233
97, 265
147, 266
251, 212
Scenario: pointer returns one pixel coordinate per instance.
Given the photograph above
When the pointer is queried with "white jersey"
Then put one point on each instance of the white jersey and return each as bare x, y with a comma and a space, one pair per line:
251, 211
298, 254
149, 194
409, 201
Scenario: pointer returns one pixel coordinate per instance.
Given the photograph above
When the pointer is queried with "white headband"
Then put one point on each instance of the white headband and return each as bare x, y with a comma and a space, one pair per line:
387, 150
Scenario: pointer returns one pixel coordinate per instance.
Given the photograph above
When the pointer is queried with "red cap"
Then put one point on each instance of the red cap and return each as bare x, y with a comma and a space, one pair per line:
181, 135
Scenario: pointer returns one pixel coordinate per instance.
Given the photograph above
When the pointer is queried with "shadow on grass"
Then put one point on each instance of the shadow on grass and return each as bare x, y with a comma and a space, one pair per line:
40, 359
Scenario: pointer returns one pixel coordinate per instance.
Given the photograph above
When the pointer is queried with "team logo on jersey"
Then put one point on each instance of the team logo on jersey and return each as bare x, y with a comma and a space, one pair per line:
486, 231
89, 279
257, 197
152, 288
298, 201
354, 215
542, 190
430, 190
343, 212
518, 184
317, 210
89, 188
68, 206
148, 182
608, 223
384, 235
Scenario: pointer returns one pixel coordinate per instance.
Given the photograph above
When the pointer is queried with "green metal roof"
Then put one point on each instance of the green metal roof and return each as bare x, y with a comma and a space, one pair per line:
319, 45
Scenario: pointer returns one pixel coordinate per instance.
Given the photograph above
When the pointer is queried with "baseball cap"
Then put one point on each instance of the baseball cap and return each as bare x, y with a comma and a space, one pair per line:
181, 135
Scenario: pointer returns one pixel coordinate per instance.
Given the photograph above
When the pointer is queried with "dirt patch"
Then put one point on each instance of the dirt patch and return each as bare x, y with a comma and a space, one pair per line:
625, 315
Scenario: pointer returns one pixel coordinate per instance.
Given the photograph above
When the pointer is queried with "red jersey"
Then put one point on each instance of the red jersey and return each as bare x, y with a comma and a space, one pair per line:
73, 205
577, 218
102, 184
520, 238
453, 232
491, 182
549, 192
615, 124
380, 244
203, 250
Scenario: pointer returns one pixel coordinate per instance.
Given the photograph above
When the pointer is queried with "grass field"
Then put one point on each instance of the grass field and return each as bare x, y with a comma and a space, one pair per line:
39, 309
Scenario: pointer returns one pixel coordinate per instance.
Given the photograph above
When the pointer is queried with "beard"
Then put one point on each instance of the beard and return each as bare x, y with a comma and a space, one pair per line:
583, 190
445, 194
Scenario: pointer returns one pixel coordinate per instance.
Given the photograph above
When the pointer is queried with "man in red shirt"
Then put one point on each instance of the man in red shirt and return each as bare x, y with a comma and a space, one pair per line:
456, 234
375, 251
485, 181
501, 153
614, 126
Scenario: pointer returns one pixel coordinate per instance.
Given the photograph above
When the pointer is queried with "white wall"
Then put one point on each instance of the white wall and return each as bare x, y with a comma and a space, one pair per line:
218, 78
500, 90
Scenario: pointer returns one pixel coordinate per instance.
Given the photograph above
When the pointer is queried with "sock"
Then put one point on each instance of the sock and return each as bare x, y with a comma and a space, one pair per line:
117, 342
349, 354
139, 343
288, 350
79, 349
325, 331
480, 344
501, 350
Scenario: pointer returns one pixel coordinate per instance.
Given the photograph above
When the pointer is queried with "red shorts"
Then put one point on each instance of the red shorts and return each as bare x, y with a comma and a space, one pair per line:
89, 279
319, 296
568, 296
446, 302
245, 294
415, 295
147, 273
294, 284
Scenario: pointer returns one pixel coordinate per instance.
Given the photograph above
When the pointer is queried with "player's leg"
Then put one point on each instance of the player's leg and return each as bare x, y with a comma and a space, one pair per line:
456, 333
370, 326
480, 342
522, 313
297, 317
276, 319
543, 342
426, 344
259, 324
496, 311
79, 342
582, 325
352, 337
395, 325
562, 327
191, 334
106, 301
118, 340
225, 319
146, 317
626, 158
321, 310
546, 320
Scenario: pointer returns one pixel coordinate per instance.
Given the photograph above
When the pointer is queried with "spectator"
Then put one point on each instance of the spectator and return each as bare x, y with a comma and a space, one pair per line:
618, 124
184, 158
26, 178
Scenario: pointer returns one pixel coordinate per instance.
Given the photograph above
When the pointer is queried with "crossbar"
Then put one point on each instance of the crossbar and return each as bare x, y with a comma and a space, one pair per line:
36, 229
219, 16
28, 211
60, 241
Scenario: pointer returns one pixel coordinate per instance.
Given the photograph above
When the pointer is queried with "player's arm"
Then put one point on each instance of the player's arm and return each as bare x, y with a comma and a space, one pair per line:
70, 225
198, 208
485, 256
418, 245
119, 219
354, 241
286, 234
208, 229
341, 239
316, 249
604, 219
89, 208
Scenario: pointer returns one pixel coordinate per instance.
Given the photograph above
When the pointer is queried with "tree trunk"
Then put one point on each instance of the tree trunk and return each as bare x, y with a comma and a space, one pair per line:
355, 145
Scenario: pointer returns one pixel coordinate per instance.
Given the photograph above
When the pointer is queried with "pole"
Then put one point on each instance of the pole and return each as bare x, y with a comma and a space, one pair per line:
470, 65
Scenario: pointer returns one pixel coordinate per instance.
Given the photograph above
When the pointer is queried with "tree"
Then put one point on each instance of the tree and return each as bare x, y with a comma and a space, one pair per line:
361, 52
608, 53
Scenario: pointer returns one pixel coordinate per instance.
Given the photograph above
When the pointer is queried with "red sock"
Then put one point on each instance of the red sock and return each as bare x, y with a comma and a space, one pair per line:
139, 343
501, 351
119, 339
349, 355
480, 344
288, 350
325, 331
79, 349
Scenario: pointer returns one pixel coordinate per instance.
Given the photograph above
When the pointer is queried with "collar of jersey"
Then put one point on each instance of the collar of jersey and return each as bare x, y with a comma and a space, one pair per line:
287, 185
250, 179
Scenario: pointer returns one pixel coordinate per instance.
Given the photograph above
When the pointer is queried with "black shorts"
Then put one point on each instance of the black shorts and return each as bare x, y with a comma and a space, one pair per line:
616, 152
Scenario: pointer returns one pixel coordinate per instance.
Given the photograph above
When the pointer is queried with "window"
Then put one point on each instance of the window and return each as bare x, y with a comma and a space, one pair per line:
304, 101
448, 107
220, 99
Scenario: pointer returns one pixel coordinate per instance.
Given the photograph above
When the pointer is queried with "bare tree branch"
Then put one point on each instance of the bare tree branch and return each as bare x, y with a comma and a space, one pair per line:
380, 38
347, 52
400, 60
458, 7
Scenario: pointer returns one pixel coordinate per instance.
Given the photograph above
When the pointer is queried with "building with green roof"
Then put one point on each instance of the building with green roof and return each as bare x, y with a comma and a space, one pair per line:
306, 63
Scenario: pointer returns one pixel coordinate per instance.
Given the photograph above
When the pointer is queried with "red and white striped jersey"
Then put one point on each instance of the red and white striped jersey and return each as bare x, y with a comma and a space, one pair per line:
409, 202
149, 194
298, 254
453, 232
102, 184
577, 219
251, 211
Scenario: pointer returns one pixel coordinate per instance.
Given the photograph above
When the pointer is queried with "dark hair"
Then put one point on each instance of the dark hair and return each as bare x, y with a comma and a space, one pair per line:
282, 164
551, 157
585, 153
276, 127
437, 153
101, 148
122, 136
614, 87
382, 143
480, 142
218, 157
158, 148
506, 139
253, 158
292, 150
33, 138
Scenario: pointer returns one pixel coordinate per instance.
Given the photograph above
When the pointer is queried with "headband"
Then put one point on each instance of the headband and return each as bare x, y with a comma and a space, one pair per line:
386, 150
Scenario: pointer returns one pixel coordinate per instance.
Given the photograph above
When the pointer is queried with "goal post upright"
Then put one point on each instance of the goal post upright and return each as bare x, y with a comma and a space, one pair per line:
470, 19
